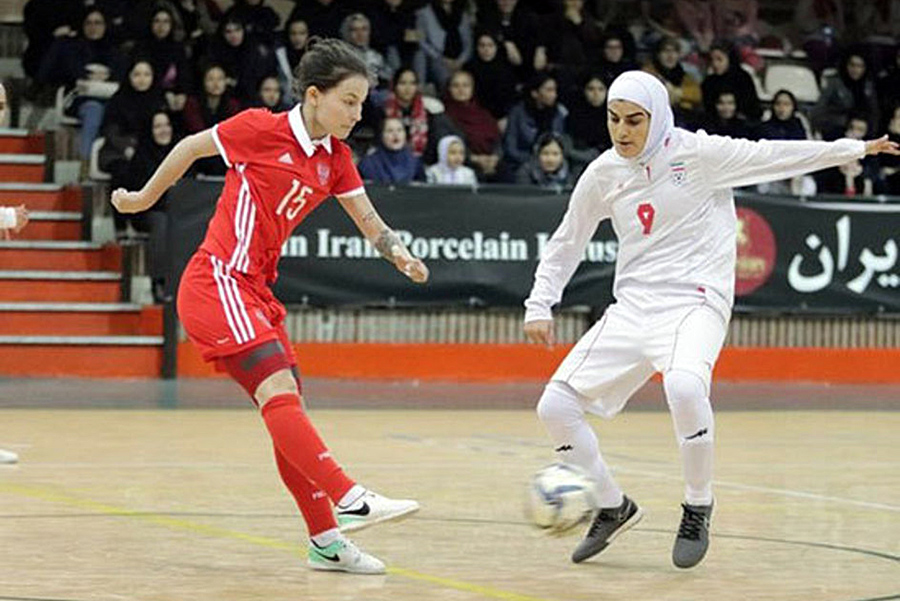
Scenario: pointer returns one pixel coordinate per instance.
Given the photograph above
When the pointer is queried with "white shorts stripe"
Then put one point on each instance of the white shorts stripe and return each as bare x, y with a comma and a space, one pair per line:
246, 262
238, 336
241, 307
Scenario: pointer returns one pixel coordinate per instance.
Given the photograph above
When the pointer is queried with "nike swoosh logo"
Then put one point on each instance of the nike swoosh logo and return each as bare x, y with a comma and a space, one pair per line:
333, 558
362, 511
697, 435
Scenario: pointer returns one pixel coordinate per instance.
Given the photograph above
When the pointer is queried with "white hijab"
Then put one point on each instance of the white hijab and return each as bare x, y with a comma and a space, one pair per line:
650, 94
448, 173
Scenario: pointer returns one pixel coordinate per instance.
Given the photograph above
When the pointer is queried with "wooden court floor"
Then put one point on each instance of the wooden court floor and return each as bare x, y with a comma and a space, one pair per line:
186, 505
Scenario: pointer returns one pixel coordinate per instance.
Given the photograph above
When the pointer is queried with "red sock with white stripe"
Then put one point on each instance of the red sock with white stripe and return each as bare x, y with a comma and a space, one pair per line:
311, 500
297, 440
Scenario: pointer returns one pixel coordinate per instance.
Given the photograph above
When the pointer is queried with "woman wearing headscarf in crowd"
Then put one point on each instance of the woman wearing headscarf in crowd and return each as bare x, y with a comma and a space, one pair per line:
570, 40
168, 55
126, 117
851, 91
539, 112
392, 161
445, 28
726, 121
156, 141
245, 61
478, 126
668, 193
83, 65
260, 21
495, 77
394, 32
450, 170
887, 87
857, 177
684, 91
213, 105
324, 17
586, 123
289, 53
784, 122
356, 30
405, 103
548, 165
269, 95
726, 74
617, 55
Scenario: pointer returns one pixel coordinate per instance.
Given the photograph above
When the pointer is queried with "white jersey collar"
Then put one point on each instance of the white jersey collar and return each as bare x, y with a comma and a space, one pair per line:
295, 118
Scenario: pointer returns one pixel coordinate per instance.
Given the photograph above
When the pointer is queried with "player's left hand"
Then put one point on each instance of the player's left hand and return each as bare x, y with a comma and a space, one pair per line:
412, 268
882, 145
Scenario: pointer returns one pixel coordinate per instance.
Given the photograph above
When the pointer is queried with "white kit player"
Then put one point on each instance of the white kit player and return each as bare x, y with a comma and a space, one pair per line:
668, 194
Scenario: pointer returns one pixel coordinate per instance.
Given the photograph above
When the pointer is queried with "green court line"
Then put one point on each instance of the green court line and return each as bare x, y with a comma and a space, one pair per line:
49, 495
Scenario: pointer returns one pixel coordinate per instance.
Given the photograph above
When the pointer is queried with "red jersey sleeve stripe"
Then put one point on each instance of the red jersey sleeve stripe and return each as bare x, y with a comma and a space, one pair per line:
218, 141
353, 192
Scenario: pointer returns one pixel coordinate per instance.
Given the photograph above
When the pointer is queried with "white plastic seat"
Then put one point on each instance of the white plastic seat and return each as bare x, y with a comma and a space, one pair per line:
797, 78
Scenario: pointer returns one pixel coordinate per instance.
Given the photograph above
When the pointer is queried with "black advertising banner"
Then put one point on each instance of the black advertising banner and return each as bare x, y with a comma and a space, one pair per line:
482, 248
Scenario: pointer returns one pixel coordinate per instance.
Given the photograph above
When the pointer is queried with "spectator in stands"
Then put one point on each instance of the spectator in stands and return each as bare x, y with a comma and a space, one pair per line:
890, 165
570, 40
445, 28
155, 144
90, 65
819, 24
450, 170
859, 177
478, 126
784, 122
269, 95
392, 162
260, 21
405, 103
517, 30
537, 113
727, 121
586, 123
851, 91
324, 17
171, 68
726, 74
357, 31
245, 61
495, 78
548, 165
684, 91
394, 32
888, 87
617, 55
126, 117
44, 22
288, 55
213, 105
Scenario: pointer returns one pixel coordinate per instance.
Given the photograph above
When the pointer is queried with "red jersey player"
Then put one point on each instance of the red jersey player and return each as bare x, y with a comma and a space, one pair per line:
282, 166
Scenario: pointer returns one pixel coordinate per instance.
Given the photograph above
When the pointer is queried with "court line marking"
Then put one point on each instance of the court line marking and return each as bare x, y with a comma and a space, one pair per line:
44, 494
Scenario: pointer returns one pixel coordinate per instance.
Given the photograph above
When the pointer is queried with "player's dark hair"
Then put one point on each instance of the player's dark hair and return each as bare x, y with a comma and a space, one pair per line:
326, 63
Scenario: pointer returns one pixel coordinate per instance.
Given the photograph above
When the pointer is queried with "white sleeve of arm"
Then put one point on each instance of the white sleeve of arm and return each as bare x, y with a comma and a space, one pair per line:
7, 218
729, 162
566, 247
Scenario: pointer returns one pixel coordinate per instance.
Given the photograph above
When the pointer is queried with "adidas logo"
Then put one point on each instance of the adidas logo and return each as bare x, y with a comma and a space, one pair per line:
286, 159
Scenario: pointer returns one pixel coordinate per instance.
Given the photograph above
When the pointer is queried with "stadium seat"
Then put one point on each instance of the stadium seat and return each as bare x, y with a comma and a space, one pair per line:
797, 78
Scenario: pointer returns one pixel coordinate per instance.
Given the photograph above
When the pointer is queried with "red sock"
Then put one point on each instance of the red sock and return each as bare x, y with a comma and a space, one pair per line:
297, 439
313, 502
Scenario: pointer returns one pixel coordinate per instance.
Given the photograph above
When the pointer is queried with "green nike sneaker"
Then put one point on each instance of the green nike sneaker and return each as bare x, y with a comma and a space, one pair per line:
343, 556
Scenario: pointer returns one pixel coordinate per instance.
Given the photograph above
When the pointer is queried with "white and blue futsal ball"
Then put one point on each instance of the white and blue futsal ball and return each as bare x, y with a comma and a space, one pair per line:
560, 497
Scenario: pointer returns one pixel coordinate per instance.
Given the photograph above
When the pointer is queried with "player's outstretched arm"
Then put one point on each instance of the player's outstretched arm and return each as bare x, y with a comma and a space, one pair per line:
383, 238
173, 167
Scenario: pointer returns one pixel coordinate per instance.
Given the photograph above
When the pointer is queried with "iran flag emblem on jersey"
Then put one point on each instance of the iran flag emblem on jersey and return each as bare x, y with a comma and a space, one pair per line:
678, 172
323, 170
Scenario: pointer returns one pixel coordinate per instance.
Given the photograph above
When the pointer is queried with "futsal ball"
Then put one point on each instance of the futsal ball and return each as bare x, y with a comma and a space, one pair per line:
560, 497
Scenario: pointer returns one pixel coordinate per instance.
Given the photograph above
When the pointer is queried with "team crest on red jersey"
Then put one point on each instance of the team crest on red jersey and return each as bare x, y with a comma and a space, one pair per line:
323, 170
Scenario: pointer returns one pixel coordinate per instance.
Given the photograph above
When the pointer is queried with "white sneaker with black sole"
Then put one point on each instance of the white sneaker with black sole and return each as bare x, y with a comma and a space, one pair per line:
343, 556
370, 509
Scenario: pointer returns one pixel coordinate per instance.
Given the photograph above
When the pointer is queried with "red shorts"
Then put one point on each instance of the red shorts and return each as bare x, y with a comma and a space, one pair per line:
225, 313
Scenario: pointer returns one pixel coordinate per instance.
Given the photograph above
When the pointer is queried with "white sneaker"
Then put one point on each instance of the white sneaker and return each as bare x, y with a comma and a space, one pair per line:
371, 508
343, 556
8, 457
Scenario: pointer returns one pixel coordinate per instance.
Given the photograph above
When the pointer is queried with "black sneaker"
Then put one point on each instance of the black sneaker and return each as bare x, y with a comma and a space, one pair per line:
609, 523
693, 535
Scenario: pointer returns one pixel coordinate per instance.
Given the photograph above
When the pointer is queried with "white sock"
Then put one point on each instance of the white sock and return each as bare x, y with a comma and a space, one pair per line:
563, 415
695, 428
351, 496
323, 539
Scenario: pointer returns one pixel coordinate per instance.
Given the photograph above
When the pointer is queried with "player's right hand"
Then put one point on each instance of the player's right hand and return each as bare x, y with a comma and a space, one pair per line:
540, 332
129, 202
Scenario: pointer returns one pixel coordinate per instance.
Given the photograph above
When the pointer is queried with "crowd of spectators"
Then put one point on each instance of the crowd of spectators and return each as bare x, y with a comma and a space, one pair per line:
466, 91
